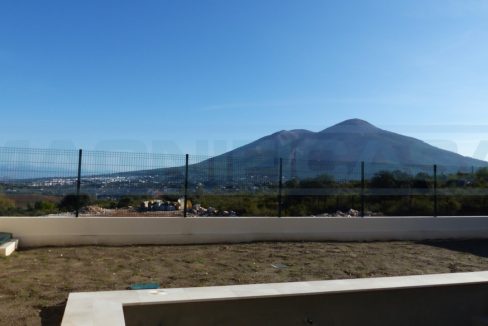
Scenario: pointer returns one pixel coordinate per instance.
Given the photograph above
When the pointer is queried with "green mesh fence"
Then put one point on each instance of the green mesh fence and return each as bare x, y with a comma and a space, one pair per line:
46, 181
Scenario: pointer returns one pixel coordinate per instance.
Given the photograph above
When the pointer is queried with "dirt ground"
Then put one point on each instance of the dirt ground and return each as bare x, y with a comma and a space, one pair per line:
35, 283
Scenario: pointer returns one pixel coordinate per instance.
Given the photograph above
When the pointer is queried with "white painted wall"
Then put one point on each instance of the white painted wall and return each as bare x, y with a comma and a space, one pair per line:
62, 231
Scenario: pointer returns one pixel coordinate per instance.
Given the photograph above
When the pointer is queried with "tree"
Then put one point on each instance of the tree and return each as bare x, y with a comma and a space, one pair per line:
320, 181
6, 205
43, 205
124, 202
482, 176
422, 181
387, 179
383, 179
70, 202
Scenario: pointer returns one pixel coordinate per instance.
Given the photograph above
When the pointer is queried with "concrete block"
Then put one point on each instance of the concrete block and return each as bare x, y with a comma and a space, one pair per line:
8, 248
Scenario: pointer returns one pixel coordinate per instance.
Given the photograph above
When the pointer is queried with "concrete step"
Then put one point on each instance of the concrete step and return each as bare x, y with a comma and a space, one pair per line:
9, 247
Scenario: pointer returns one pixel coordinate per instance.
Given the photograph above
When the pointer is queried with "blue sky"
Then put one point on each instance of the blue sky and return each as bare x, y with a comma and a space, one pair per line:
205, 76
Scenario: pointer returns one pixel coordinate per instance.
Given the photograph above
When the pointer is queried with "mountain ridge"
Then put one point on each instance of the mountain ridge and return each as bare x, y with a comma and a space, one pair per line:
351, 140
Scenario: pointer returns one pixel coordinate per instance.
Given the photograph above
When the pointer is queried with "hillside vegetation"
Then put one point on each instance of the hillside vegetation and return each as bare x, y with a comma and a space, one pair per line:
390, 193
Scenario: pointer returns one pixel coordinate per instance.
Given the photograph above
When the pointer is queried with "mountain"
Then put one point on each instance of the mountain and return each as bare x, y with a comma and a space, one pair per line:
336, 151
307, 153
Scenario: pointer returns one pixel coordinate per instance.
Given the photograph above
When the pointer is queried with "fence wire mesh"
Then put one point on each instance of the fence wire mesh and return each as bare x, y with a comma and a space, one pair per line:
46, 181
397, 189
321, 188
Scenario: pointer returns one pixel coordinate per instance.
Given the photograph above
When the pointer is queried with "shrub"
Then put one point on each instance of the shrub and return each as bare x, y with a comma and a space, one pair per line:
70, 202
6, 205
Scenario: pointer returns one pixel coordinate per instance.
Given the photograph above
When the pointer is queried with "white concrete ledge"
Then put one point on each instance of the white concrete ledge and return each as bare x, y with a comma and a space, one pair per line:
107, 308
68, 231
7, 248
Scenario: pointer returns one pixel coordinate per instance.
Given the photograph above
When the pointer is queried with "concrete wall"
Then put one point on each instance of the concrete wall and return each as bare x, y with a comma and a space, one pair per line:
439, 305
62, 231
438, 299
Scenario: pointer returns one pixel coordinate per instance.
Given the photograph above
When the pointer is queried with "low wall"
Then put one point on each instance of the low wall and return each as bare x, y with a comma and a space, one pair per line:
66, 231
448, 305
439, 299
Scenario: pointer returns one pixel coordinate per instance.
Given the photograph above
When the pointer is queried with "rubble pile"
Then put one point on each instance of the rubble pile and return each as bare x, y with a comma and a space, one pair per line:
158, 205
198, 210
94, 210
350, 213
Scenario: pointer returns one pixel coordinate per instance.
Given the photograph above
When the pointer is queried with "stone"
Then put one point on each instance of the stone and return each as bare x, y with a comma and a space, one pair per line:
353, 212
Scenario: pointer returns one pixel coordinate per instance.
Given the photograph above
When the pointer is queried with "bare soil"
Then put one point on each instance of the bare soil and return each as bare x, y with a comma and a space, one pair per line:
35, 283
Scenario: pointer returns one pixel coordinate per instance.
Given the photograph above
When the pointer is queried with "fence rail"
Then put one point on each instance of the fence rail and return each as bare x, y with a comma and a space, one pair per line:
44, 181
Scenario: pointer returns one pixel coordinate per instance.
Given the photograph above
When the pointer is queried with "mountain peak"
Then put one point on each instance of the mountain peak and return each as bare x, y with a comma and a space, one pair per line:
352, 126
354, 122
338, 151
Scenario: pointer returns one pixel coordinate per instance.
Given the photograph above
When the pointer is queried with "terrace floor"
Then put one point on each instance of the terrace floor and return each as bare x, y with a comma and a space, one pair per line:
36, 282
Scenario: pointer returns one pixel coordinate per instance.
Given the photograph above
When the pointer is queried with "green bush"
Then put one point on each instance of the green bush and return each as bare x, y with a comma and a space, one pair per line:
125, 201
6, 205
71, 202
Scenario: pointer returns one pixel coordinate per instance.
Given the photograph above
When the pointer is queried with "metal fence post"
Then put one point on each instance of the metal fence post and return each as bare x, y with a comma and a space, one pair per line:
362, 188
78, 183
280, 185
230, 170
211, 170
186, 186
435, 190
